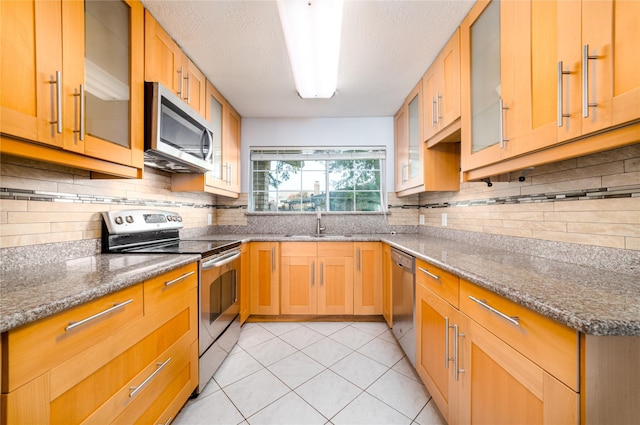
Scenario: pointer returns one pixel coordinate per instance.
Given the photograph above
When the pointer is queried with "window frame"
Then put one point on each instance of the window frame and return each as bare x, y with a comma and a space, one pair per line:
324, 154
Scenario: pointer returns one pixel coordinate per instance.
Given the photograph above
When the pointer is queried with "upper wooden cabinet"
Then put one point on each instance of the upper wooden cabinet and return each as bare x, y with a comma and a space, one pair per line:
63, 88
167, 64
225, 178
419, 168
538, 74
441, 95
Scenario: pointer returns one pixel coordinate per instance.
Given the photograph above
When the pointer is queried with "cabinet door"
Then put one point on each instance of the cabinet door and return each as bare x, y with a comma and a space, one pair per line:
30, 95
435, 350
401, 129
299, 278
368, 276
245, 294
491, 45
194, 87
624, 57
335, 293
231, 149
441, 89
215, 113
162, 56
386, 285
265, 280
500, 385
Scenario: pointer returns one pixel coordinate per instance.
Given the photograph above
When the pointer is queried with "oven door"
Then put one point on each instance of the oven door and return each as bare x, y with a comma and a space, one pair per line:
219, 296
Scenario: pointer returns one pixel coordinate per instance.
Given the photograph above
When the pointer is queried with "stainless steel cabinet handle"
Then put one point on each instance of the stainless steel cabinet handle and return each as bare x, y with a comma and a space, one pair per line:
82, 112
433, 112
178, 279
168, 421
585, 81
181, 72
503, 108
561, 113
458, 335
405, 167
513, 319
321, 273
58, 83
273, 259
188, 78
446, 342
73, 325
313, 273
358, 259
438, 114
428, 273
136, 390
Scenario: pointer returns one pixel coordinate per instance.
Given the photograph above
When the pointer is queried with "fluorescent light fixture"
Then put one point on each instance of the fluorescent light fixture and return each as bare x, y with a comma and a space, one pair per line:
312, 31
102, 84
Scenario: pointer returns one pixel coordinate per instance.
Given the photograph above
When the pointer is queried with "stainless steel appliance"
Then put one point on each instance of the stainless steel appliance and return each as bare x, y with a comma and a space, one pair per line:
176, 138
157, 232
403, 296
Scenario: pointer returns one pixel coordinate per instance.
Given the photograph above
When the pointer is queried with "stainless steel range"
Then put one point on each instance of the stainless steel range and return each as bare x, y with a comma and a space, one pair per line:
157, 232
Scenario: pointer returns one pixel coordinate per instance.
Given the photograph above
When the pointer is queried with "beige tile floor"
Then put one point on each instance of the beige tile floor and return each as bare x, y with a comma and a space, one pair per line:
314, 373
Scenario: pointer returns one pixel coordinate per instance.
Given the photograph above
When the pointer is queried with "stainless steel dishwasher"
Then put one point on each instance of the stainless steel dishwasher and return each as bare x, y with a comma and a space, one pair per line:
403, 291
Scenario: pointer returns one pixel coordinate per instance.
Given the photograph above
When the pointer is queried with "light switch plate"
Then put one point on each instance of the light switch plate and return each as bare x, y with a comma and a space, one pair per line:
209, 219
444, 219
421, 218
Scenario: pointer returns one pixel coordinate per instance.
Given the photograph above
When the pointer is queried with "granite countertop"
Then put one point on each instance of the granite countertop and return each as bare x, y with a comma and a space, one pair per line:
590, 300
32, 293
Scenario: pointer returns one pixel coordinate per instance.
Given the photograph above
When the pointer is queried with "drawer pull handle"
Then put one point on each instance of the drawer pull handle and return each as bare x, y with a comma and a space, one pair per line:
168, 421
513, 319
73, 325
178, 279
428, 273
136, 390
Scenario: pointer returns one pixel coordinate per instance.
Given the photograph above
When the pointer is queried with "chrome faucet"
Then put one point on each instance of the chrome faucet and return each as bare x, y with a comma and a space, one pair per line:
319, 228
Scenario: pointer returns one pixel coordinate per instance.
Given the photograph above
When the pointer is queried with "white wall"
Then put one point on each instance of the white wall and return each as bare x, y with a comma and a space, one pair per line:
374, 131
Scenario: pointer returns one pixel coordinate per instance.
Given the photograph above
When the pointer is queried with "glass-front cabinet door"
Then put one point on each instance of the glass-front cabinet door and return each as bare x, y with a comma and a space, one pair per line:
486, 84
103, 46
214, 113
408, 143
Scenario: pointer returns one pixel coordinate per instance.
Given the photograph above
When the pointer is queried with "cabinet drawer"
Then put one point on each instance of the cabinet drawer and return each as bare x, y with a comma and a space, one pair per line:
443, 283
162, 289
549, 344
68, 333
104, 391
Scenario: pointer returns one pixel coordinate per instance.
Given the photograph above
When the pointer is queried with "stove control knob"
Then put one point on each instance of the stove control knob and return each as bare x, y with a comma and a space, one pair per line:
119, 220
179, 218
129, 219
169, 218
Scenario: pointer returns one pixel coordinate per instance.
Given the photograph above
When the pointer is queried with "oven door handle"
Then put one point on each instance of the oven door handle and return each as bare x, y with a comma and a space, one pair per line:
220, 261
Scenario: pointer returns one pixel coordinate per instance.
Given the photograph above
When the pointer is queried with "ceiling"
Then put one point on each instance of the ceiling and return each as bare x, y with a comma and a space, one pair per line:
239, 46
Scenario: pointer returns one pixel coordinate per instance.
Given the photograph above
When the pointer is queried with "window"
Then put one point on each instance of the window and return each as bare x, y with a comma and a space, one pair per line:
331, 179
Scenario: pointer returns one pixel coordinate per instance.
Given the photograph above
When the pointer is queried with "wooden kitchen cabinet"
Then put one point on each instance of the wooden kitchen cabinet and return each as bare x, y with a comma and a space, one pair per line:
135, 363
441, 95
245, 278
265, 278
498, 384
317, 278
225, 178
387, 302
84, 109
368, 277
166, 63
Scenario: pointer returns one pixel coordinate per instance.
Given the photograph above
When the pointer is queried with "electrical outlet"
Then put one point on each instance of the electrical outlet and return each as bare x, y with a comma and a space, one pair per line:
444, 219
422, 219
209, 219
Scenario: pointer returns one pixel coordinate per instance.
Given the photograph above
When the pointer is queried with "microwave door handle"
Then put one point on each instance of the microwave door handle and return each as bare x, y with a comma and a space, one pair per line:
210, 137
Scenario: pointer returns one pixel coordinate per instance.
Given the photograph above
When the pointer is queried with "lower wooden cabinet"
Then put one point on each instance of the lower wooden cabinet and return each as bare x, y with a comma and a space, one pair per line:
245, 290
317, 278
386, 284
265, 278
483, 368
368, 276
137, 363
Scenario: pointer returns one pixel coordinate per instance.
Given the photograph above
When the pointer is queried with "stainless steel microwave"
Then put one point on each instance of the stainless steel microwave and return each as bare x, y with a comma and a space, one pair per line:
177, 138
